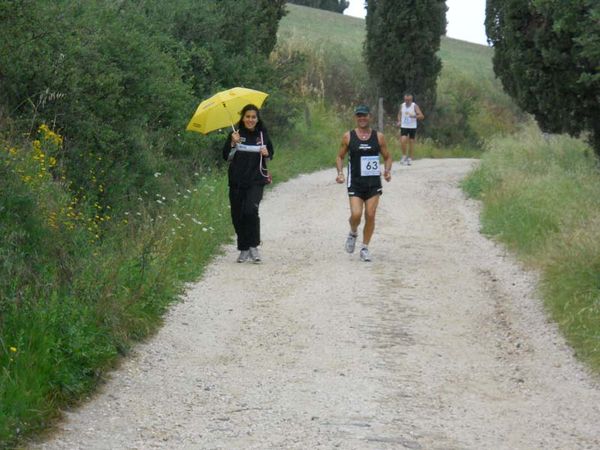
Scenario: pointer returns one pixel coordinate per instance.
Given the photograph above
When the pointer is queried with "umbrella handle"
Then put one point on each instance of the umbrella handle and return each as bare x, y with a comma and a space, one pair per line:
230, 118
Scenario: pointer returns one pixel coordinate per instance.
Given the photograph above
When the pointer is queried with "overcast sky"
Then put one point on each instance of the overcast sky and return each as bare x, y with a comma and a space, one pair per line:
465, 18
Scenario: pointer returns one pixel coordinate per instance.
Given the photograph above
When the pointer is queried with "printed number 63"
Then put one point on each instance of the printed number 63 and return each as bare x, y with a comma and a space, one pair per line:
372, 165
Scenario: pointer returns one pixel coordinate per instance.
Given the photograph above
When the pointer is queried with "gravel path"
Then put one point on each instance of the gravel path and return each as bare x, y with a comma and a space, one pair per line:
440, 342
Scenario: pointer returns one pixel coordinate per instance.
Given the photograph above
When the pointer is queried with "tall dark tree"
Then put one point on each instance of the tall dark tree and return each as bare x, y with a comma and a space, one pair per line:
547, 55
329, 5
403, 38
269, 14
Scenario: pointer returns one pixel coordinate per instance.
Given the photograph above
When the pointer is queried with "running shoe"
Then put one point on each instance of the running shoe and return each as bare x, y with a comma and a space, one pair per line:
351, 242
409, 161
403, 161
364, 254
254, 255
244, 255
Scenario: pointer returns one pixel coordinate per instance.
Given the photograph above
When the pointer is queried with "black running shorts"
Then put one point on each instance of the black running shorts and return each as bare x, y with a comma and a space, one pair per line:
364, 194
410, 132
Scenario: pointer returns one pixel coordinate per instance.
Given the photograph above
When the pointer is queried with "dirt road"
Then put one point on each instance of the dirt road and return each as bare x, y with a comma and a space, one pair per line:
440, 342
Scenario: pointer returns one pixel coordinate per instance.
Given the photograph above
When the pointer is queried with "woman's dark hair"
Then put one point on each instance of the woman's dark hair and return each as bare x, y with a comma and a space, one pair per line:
259, 124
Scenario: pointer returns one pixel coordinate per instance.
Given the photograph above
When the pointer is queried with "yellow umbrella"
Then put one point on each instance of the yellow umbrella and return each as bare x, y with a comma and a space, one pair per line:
222, 110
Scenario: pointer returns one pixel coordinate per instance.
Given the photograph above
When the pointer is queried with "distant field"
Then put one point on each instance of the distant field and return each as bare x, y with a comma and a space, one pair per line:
324, 28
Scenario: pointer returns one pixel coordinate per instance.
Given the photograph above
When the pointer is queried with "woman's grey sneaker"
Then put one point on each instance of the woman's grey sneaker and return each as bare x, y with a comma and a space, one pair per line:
254, 255
351, 242
244, 255
364, 254
409, 161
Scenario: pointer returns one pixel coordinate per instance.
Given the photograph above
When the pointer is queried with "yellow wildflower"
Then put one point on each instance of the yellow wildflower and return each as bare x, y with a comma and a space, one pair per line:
13, 349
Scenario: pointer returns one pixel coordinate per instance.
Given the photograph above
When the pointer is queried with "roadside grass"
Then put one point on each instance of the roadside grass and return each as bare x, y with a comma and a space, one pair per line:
541, 197
76, 297
426, 148
309, 146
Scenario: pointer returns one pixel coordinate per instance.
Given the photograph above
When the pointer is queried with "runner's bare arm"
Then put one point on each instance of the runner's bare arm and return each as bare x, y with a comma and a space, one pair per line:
339, 161
420, 115
387, 157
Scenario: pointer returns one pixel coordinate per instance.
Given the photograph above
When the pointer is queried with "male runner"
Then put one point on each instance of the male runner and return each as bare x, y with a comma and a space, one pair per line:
408, 115
364, 146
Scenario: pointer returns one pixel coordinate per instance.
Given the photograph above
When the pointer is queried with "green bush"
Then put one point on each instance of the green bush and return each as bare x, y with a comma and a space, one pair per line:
120, 81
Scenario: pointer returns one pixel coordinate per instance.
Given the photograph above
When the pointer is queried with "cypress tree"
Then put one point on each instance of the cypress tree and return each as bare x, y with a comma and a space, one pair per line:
403, 38
547, 55
267, 20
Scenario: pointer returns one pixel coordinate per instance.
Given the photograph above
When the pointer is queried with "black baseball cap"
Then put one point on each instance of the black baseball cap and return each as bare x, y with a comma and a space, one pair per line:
362, 109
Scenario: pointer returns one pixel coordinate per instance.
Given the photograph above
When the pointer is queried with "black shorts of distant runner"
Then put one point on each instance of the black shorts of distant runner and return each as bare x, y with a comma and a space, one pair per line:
410, 132
364, 193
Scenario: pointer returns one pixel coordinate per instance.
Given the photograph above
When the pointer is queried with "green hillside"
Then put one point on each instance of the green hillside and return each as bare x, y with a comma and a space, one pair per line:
471, 105
324, 28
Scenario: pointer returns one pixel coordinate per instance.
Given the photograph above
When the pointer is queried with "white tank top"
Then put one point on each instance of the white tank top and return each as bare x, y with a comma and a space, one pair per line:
407, 121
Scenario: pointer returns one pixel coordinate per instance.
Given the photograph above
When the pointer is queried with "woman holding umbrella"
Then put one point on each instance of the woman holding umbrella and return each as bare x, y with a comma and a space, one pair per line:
247, 150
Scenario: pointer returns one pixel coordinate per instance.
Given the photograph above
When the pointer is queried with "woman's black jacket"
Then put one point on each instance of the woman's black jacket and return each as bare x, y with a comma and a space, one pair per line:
244, 168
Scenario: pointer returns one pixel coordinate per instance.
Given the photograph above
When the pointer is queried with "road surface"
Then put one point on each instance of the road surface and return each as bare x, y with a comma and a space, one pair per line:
440, 343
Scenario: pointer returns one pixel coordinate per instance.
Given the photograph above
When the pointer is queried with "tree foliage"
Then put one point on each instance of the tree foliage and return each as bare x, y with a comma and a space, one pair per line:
329, 5
547, 55
119, 80
403, 38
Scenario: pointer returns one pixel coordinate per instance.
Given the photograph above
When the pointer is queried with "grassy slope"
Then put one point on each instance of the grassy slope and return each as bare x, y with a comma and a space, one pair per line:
322, 28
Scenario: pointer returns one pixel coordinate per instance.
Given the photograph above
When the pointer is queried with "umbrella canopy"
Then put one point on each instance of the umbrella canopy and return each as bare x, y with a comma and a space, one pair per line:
222, 110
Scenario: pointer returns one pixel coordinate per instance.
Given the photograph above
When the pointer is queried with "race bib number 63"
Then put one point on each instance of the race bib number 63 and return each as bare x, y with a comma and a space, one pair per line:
369, 166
